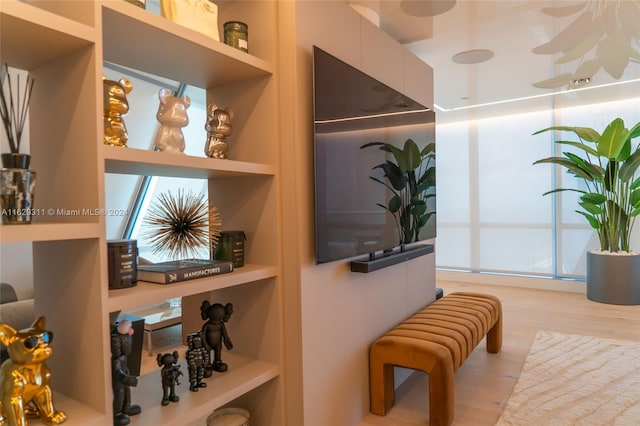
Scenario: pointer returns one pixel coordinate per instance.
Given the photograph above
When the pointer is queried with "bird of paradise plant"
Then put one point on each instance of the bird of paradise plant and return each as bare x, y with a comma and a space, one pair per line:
411, 180
608, 164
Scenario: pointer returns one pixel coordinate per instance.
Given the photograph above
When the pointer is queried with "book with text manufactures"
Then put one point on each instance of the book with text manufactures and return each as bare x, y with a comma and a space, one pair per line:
182, 270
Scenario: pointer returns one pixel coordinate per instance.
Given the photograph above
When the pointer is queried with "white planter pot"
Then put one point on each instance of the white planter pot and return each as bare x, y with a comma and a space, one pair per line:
613, 279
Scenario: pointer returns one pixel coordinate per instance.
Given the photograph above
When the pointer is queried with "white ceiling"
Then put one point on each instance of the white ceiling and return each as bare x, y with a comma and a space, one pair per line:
512, 29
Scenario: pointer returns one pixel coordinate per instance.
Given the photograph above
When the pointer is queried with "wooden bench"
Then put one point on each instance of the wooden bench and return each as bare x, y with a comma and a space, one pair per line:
436, 340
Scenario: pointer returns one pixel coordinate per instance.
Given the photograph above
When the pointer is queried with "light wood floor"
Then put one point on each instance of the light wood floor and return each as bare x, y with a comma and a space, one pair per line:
485, 381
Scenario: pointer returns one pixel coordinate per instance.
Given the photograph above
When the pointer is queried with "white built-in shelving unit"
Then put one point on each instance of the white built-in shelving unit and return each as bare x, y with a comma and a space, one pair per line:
63, 45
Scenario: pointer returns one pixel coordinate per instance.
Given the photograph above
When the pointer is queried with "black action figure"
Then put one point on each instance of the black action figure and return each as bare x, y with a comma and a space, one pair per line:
197, 361
215, 333
121, 380
170, 372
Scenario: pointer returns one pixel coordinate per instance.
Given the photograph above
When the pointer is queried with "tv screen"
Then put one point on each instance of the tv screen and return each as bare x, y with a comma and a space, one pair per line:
370, 196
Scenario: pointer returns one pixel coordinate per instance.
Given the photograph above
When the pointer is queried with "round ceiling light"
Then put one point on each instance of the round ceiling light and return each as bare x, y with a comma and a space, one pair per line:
472, 56
426, 7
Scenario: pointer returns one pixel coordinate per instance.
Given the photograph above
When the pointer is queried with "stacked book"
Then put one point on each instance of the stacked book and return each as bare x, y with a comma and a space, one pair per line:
182, 270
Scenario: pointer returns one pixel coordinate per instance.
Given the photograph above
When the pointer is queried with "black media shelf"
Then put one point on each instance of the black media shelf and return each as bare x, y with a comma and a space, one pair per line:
366, 265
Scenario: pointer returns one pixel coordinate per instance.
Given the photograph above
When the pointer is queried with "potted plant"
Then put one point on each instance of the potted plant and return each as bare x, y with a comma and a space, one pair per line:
411, 180
608, 165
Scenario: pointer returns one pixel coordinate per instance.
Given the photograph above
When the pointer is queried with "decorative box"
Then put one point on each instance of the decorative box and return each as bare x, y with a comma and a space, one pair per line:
123, 263
231, 247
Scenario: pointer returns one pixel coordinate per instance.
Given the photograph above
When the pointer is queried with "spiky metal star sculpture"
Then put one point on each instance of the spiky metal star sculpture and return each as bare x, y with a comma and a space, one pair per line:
181, 225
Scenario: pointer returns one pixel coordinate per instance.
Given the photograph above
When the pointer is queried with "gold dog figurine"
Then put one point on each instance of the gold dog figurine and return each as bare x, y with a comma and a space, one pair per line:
24, 377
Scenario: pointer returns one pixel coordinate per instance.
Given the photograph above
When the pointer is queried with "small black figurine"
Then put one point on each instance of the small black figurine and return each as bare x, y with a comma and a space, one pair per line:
197, 361
121, 380
215, 334
170, 372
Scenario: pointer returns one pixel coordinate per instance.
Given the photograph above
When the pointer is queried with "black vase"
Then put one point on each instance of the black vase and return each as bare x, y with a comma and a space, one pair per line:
14, 160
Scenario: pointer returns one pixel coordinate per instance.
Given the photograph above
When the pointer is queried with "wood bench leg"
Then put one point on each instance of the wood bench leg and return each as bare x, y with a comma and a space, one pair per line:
494, 336
431, 358
381, 383
441, 395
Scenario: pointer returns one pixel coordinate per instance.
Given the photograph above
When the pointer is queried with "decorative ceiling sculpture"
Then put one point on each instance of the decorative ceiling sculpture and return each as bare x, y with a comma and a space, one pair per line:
605, 35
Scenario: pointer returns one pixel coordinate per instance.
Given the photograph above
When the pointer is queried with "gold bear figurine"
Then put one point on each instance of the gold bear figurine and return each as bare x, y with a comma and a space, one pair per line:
218, 127
115, 105
24, 377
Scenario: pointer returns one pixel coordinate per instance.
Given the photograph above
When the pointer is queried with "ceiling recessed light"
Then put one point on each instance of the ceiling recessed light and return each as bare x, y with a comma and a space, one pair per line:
426, 7
579, 82
472, 56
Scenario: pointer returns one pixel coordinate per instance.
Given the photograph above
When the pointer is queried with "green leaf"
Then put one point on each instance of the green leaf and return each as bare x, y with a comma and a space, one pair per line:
580, 145
594, 222
613, 139
635, 184
394, 204
429, 149
382, 205
428, 177
611, 175
634, 198
625, 152
367, 145
393, 173
591, 208
630, 166
584, 133
592, 169
635, 212
616, 212
418, 207
553, 191
424, 219
593, 198
573, 168
635, 131
381, 182
398, 155
410, 154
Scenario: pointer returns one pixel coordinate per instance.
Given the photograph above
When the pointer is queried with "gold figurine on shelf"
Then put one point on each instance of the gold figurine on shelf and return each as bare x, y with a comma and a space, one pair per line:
24, 376
218, 127
115, 105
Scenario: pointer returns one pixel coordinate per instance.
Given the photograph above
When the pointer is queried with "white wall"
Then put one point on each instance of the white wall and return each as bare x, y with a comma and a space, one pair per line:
342, 312
16, 267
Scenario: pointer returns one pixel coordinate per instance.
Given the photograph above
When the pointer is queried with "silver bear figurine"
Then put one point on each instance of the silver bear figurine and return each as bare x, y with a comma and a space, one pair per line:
172, 115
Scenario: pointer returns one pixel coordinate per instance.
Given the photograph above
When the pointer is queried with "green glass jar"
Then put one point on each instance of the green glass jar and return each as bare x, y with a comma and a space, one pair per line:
236, 34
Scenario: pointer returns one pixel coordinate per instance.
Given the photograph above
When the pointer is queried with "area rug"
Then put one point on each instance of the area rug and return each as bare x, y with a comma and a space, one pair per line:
576, 380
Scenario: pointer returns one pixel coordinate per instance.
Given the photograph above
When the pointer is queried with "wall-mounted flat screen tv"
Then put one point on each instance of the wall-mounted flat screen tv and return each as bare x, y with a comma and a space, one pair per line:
370, 195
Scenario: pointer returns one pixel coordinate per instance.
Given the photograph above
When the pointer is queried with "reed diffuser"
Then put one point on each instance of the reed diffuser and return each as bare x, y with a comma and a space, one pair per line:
15, 95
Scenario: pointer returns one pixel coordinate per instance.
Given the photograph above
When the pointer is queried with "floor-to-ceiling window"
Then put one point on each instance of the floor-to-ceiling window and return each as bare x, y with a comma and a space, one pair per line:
492, 216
